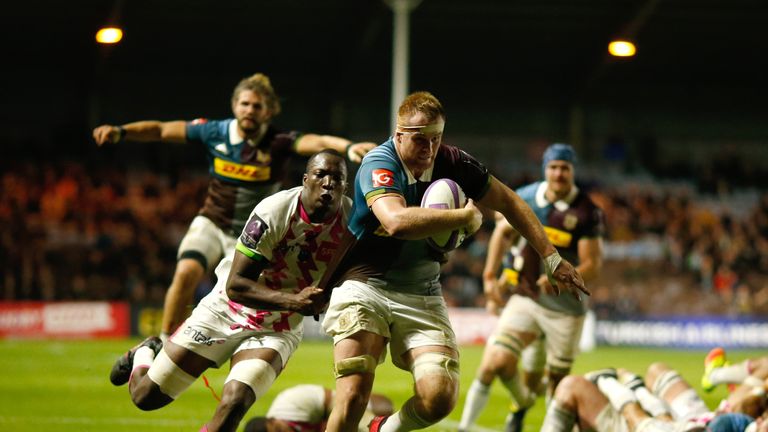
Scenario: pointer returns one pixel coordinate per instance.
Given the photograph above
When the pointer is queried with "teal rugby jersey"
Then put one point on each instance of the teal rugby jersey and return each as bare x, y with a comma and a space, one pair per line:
409, 266
241, 174
565, 222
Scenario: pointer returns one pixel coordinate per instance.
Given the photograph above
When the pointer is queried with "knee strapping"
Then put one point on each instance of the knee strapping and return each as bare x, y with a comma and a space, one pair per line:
505, 340
435, 363
255, 373
354, 365
664, 381
171, 379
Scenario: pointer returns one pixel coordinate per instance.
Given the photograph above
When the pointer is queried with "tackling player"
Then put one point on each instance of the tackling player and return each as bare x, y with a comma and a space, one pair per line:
254, 314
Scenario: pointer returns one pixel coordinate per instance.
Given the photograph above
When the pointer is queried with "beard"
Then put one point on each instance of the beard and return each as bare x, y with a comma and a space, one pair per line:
250, 127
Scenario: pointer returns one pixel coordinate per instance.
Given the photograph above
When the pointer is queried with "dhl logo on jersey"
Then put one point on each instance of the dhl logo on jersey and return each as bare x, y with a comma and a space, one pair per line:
557, 237
511, 276
239, 171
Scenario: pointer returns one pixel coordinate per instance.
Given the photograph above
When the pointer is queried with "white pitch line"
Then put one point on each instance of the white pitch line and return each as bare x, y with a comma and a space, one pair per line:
102, 421
454, 425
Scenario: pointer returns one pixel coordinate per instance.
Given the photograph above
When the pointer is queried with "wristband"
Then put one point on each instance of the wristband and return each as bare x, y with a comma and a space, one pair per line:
550, 265
121, 135
346, 150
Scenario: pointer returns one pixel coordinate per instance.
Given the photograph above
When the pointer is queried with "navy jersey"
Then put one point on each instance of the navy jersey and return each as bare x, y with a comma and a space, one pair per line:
376, 258
241, 174
566, 222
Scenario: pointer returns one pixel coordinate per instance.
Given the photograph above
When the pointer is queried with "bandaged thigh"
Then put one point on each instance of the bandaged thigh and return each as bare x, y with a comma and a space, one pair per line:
435, 363
171, 379
255, 373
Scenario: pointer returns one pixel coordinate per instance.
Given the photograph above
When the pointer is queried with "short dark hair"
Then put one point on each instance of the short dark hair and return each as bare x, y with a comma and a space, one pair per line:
326, 152
256, 424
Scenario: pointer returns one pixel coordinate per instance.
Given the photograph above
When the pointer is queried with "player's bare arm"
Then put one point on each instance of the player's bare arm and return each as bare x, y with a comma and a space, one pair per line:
503, 199
590, 252
244, 287
310, 144
499, 243
142, 131
413, 223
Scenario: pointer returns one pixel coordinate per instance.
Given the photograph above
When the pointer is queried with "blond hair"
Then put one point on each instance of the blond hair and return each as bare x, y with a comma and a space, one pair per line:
420, 102
259, 84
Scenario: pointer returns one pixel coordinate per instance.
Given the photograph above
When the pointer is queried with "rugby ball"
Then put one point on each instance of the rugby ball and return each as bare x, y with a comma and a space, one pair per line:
445, 194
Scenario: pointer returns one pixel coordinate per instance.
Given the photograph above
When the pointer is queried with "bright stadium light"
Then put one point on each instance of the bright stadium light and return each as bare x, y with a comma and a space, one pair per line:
109, 35
621, 48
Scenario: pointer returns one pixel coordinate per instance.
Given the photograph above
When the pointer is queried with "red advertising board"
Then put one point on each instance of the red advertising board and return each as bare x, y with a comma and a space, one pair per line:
64, 319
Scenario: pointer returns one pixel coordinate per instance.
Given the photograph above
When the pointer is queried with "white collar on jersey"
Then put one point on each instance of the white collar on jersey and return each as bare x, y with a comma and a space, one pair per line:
560, 205
235, 138
426, 176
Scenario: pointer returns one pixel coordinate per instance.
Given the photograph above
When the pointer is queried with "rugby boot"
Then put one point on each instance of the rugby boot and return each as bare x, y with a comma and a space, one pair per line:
121, 370
514, 421
714, 359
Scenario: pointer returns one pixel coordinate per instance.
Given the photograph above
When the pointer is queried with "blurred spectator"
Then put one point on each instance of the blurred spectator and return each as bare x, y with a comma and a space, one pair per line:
73, 231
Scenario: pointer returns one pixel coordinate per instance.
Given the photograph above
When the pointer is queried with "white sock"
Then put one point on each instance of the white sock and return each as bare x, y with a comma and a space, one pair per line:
651, 403
558, 419
618, 394
405, 420
143, 357
477, 397
734, 374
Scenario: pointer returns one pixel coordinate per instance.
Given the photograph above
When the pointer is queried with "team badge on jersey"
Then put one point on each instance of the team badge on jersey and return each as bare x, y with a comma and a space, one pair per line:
383, 177
199, 121
254, 229
570, 221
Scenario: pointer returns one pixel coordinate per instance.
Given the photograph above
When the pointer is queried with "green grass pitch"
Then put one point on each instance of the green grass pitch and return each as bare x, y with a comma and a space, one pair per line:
63, 386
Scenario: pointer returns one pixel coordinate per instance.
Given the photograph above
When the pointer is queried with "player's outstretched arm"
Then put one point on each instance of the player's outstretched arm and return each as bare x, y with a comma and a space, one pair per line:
244, 287
561, 273
310, 144
142, 131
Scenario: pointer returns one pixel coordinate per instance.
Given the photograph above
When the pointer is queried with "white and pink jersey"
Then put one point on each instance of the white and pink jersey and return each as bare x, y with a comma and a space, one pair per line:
297, 252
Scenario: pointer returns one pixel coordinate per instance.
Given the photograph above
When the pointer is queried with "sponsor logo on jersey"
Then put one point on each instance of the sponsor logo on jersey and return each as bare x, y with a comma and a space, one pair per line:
254, 229
238, 171
558, 238
382, 177
511, 276
570, 221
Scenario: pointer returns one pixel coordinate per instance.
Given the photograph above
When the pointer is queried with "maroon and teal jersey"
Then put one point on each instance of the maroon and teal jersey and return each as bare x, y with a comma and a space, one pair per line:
376, 258
566, 222
241, 174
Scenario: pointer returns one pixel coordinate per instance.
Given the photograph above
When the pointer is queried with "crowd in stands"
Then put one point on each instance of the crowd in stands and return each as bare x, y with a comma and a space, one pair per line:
75, 232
